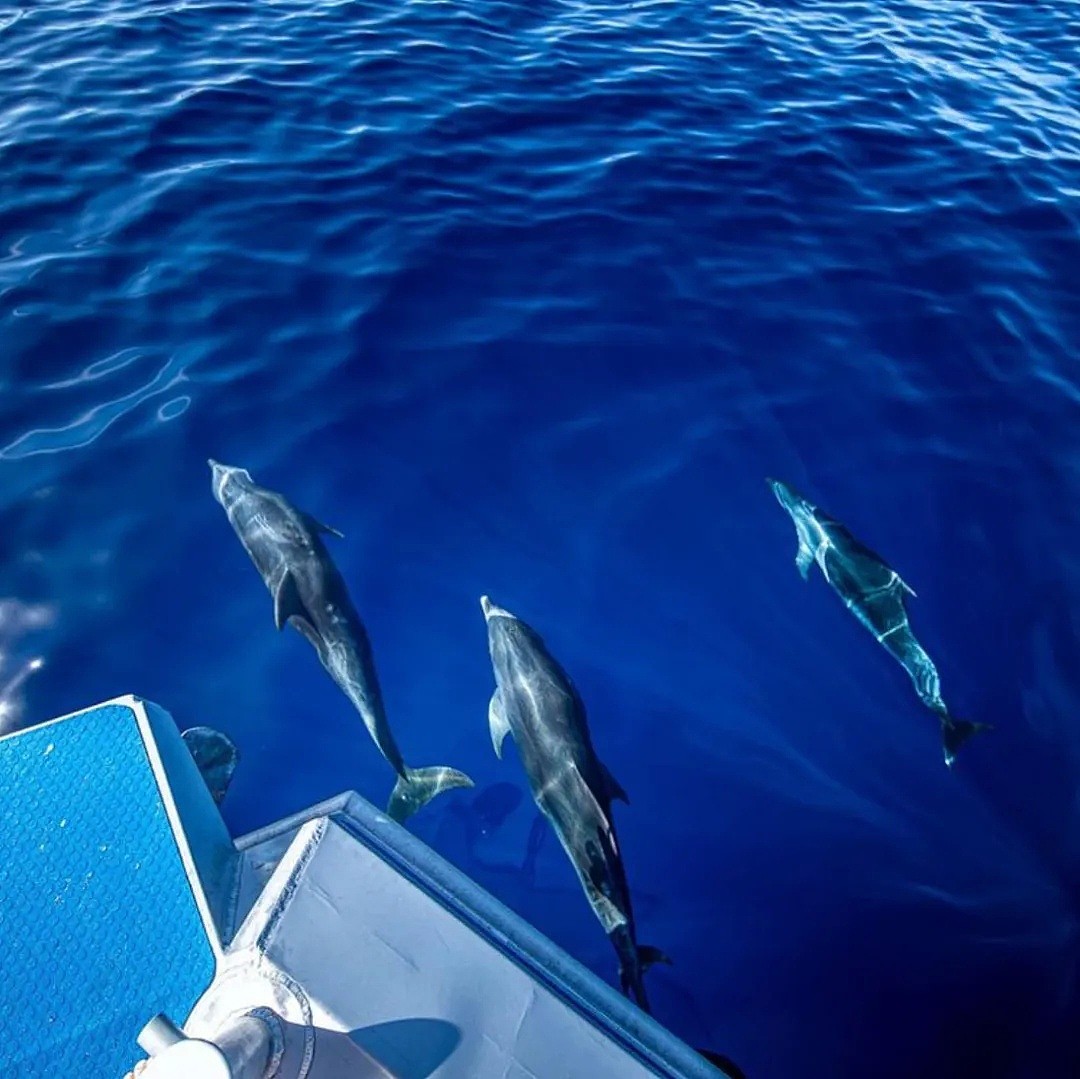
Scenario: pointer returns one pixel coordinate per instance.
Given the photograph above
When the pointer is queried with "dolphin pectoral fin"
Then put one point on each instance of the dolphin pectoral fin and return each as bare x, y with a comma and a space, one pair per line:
498, 724
318, 526
648, 956
287, 602
615, 790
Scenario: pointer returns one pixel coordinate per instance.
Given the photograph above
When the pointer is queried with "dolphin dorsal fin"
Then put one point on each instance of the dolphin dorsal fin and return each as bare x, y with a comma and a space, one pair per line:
318, 526
287, 601
904, 585
498, 724
897, 579
614, 787
604, 827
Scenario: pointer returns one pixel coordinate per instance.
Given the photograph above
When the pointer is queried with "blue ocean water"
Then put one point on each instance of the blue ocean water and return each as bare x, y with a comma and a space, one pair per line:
528, 300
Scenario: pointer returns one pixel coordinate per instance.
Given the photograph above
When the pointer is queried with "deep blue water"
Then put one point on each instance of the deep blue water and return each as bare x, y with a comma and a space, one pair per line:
528, 299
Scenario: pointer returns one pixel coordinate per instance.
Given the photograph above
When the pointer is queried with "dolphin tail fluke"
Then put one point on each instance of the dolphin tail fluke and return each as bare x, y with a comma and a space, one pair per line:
631, 975
633, 986
955, 732
418, 786
648, 956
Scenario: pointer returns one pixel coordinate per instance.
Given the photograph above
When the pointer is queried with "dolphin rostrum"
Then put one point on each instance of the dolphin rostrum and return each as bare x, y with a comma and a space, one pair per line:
287, 548
874, 592
536, 702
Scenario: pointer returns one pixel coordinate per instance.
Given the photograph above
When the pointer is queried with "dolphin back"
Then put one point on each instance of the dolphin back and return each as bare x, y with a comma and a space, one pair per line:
418, 786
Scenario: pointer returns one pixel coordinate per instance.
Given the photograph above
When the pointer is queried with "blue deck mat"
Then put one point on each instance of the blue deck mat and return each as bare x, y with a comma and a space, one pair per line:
99, 927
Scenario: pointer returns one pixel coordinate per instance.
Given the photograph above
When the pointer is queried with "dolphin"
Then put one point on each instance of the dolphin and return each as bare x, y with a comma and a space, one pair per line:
536, 702
287, 548
874, 592
215, 757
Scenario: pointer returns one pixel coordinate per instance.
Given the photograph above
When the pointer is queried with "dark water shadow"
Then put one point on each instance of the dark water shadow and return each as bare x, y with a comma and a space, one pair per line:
409, 1048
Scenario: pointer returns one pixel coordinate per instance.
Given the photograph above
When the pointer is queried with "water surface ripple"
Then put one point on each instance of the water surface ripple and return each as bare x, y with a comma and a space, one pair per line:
527, 300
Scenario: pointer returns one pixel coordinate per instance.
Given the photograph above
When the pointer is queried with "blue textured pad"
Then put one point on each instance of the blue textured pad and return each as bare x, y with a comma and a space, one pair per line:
99, 928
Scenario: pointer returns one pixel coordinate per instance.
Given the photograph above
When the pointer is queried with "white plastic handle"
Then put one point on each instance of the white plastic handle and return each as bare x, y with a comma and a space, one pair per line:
159, 1034
250, 1047
186, 1060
